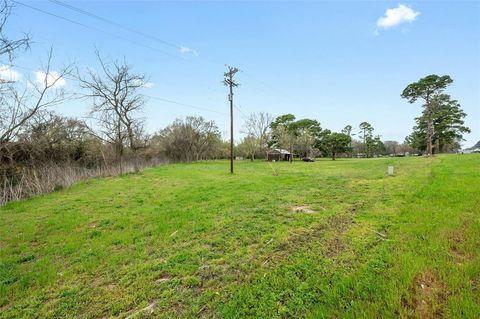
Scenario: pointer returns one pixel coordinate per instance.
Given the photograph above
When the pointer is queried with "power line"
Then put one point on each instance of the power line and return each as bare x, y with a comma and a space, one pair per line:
144, 34
95, 29
130, 29
93, 15
245, 117
98, 17
148, 96
269, 86
184, 104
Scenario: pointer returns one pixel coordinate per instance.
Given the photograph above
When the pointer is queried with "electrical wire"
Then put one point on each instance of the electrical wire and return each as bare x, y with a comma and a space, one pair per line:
184, 104
146, 35
96, 16
145, 95
96, 29
245, 117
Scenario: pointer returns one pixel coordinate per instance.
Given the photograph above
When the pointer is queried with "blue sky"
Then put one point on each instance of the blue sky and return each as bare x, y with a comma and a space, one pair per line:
332, 61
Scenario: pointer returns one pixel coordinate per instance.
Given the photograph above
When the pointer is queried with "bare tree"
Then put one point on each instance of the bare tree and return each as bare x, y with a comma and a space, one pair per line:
204, 132
19, 105
257, 128
9, 47
391, 147
286, 139
249, 146
116, 104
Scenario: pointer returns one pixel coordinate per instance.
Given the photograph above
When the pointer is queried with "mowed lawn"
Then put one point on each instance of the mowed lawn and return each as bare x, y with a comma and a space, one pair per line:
330, 239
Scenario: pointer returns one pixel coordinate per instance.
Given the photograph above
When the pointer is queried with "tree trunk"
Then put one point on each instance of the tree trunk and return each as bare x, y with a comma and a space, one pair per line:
119, 152
136, 167
333, 156
429, 128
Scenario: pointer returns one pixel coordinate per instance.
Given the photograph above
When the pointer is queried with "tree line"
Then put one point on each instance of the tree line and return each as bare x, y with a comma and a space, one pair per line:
306, 138
439, 129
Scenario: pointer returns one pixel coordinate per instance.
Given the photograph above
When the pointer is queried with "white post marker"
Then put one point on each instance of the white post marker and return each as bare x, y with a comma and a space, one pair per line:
390, 170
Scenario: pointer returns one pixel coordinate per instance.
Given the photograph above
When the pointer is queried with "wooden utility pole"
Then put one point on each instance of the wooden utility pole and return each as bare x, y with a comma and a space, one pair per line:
230, 82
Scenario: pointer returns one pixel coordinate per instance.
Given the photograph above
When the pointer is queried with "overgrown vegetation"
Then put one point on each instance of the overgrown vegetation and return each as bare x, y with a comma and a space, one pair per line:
326, 239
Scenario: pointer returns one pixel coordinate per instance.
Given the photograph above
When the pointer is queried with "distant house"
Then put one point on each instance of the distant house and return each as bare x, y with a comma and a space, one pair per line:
278, 154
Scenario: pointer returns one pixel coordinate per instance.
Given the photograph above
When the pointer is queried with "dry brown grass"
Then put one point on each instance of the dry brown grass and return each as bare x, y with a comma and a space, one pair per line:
51, 177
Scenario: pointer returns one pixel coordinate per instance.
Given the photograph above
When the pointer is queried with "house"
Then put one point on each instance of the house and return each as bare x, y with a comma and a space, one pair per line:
278, 154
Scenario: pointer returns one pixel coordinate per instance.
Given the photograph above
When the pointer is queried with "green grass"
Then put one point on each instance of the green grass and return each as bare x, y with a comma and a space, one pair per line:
320, 240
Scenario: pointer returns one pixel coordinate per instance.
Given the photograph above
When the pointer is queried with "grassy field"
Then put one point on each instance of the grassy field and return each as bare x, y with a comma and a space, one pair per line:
320, 240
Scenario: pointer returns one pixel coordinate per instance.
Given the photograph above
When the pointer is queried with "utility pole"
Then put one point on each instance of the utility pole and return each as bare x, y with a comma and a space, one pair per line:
230, 82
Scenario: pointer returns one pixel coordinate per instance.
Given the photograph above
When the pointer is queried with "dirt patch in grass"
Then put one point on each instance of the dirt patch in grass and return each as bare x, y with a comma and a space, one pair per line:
147, 311
327, 237
427, 297
341, 222
34, 243
93, 224
302, 209
331, 245
334, 247
4, 308
163, 278
356, 207
476, 287
457, 239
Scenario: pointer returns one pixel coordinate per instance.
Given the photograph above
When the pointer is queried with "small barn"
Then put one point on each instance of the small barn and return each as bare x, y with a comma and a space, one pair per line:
278, 155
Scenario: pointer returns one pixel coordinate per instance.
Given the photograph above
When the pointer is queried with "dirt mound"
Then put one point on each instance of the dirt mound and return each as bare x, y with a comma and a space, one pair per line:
302, 209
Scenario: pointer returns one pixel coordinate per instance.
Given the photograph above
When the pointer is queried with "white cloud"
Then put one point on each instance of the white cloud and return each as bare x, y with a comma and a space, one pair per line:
186, 50
7, 74
143, 83
396, 16
52, 77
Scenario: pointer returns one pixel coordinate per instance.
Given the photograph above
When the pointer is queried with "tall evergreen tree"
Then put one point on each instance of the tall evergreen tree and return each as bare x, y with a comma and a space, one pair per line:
366, 133
447, 122
426, 89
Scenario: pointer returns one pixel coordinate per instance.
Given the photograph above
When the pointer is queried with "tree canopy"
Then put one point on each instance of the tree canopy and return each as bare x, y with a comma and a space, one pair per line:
426, 87
302, 135
336, 143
